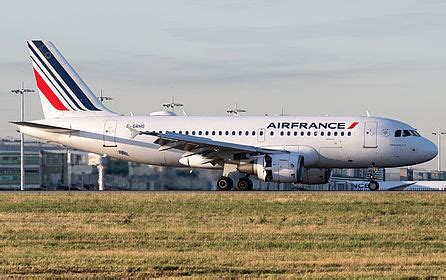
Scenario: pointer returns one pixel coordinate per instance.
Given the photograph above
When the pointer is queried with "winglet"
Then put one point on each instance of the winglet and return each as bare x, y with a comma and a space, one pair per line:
133, 132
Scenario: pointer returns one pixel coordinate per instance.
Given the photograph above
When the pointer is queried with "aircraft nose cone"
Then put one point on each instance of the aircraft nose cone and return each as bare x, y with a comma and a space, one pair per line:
429, 149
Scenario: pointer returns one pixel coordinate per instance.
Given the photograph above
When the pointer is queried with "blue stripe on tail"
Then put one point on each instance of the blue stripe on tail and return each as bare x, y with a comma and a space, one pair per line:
55, 78
65, 76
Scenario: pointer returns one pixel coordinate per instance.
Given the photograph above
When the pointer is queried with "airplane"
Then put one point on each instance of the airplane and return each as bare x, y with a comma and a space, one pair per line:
282, 149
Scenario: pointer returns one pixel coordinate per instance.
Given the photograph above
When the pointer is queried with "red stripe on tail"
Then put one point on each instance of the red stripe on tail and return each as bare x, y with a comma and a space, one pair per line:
49, 94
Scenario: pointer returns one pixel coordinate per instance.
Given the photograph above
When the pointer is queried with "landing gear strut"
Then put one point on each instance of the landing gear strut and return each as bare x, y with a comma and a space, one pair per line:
373, 184
244, 184
224, 183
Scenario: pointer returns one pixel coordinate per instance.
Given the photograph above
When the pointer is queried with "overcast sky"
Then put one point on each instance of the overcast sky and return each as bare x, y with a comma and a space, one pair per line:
305, 57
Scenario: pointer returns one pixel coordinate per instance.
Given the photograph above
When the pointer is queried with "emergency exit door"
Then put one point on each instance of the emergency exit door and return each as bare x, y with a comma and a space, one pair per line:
370, 135
109, 135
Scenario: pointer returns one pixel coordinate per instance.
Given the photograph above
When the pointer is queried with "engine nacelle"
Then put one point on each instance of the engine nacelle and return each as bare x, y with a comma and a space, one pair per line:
281, 168
315, 176
197, 161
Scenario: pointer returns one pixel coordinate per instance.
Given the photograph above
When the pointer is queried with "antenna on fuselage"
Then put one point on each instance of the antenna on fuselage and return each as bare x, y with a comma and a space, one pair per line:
172, 104
235, 111
102, 97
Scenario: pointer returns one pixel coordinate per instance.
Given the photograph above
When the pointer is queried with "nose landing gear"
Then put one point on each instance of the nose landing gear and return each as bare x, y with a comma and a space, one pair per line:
373, 184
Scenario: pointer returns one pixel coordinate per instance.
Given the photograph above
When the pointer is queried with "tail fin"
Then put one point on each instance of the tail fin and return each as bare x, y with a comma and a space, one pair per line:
62, 92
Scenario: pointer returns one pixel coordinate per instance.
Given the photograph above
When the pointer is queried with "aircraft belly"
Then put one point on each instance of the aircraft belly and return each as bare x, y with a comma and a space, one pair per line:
332, 157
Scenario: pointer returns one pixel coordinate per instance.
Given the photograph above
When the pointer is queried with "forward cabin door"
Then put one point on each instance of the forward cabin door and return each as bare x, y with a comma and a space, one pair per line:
370, 135
109, 135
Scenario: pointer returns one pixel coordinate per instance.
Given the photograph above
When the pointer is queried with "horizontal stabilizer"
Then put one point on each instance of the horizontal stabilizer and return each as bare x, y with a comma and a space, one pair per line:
45, 127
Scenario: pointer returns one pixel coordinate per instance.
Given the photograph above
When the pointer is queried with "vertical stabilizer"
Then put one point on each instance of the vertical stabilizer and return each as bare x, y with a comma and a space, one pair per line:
62, 91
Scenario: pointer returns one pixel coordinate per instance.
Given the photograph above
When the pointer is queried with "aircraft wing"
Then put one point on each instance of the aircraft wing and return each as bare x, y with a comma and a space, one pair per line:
200, 145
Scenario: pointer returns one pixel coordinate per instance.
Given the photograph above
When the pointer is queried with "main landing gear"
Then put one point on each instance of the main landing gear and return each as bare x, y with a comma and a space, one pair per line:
225, 184
373, 184
244, 184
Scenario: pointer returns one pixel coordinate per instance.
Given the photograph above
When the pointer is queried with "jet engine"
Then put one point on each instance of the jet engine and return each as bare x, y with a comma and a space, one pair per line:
281, 168
314, 176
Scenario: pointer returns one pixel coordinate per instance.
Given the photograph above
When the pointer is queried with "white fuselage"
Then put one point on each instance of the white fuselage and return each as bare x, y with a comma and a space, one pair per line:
325, 142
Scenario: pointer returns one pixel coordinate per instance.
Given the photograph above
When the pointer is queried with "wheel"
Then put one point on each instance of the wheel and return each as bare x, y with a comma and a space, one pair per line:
373, 186
244, 184
224, 184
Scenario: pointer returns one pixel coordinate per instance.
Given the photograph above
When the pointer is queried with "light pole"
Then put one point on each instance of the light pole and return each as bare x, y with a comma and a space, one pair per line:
439, 133
22, 91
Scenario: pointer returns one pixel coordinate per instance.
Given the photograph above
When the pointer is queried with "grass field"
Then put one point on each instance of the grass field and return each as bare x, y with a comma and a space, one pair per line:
359, 234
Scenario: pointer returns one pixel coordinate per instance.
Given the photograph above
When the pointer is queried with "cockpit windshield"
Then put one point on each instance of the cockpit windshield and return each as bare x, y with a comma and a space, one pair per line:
406, 133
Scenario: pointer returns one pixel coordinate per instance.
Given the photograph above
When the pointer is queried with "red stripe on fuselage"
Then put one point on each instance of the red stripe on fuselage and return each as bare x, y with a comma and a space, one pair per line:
353, 125
49, 94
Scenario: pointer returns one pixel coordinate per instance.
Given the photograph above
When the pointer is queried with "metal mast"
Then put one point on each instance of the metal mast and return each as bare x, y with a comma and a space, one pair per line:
22, 91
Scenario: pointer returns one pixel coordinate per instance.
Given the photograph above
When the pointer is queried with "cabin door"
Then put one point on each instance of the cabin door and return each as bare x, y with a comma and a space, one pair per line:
370, 135
109, 135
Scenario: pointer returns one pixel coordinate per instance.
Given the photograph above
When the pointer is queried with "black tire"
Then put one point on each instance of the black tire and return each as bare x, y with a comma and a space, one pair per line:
244, 184
373, 186
224, 184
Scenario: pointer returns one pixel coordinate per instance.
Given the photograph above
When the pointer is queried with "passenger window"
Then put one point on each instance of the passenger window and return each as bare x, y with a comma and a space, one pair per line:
398, 133
271, 133
206, 133
302, 133
322, 133
309, 133
193, 132
213, 132
406, 133
240, 133
254, 133
180, 132
281, 133
288, 133
220, 133
349, 133
315, 133
227, 133
335, 133
295, 133
233, 133
246, 133
342, 133
329, 133
200, 132
187, 132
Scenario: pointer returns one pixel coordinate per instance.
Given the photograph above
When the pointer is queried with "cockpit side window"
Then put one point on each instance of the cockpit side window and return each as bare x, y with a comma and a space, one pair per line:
398, 133
415, 133
406, 133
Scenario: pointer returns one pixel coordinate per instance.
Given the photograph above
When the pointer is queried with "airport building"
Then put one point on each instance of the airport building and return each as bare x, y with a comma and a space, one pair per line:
54, 167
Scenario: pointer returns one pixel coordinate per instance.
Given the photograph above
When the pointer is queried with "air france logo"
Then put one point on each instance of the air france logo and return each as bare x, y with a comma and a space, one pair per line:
305, 125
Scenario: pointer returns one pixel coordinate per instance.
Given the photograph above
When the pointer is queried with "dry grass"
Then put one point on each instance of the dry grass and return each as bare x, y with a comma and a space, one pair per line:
223, 234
